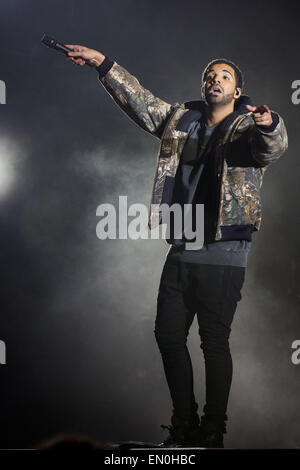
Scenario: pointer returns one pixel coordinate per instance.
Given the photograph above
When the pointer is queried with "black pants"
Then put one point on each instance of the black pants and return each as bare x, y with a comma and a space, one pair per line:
211, 292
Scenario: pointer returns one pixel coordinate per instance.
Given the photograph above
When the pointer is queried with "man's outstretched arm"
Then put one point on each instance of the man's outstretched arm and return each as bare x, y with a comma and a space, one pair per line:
148, 111
268, 137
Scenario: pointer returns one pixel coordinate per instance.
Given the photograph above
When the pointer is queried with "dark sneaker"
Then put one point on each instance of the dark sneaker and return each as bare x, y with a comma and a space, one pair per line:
212, 440
212, 429
181, 437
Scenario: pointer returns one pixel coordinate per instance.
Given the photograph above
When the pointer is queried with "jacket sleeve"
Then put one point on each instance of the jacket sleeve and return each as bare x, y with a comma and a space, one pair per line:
148, 111
268, 143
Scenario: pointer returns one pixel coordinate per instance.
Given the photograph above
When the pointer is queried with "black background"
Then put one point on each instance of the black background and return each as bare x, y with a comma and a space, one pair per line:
77, 313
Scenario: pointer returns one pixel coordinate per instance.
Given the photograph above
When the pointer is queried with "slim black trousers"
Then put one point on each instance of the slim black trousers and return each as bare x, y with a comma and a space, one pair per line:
211, 292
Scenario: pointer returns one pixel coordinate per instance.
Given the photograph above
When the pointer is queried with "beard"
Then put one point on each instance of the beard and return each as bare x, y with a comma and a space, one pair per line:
217, 101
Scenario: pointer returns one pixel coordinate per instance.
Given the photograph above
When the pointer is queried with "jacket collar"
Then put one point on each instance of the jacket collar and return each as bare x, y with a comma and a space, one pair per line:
195, 111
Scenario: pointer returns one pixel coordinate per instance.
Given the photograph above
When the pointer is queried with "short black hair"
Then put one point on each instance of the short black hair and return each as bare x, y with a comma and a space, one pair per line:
238, 73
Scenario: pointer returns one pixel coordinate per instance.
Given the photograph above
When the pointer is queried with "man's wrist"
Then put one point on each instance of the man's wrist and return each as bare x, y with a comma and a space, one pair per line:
271, 127
104, 67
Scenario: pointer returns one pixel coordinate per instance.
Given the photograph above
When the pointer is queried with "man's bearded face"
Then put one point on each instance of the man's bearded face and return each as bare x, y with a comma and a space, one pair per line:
220, 85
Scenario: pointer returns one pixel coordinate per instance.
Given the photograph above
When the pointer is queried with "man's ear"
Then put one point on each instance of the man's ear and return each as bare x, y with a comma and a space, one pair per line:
202, 91
237, 93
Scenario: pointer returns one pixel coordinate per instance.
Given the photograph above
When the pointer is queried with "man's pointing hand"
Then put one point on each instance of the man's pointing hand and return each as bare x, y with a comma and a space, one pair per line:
261, 114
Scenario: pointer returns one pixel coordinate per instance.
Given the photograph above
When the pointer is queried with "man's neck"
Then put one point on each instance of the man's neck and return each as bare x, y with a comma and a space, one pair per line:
216, 114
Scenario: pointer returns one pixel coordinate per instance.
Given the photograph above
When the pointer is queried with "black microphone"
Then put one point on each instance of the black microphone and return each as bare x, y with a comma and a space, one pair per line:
54, 44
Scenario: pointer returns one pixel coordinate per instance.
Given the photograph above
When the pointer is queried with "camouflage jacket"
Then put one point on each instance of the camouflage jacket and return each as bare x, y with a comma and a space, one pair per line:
242, 152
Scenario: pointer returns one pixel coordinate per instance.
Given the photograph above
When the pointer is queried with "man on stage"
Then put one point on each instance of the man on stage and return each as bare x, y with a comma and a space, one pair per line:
213, 152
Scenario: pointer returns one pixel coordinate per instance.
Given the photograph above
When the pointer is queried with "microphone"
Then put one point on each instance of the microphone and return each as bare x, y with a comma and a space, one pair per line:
54, 44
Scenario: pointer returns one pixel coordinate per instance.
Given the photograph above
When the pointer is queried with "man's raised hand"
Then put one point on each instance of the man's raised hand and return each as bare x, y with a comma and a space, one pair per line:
261, 114
81, 53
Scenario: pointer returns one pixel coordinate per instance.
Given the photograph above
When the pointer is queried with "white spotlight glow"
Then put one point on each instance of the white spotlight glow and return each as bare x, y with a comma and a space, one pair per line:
9, 157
